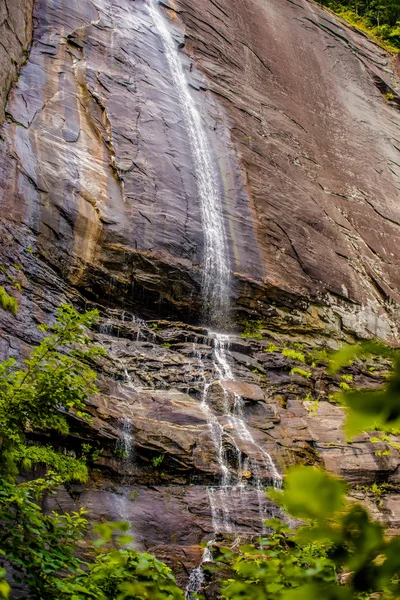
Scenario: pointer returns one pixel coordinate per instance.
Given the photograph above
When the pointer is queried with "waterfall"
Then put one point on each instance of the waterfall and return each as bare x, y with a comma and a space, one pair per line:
243, 479
233, 484
197, 578
216, 275
236, 416
125, 442
216, 271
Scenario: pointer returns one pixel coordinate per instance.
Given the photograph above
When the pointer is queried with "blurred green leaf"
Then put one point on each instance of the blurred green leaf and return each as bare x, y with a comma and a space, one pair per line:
310, 493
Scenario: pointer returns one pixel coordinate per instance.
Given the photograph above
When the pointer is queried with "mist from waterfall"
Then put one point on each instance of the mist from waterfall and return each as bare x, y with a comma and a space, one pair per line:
216, 270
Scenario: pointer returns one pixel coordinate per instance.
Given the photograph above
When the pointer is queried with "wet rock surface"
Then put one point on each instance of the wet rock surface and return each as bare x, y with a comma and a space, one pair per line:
163, 489
99, 208
96, 160
316, 139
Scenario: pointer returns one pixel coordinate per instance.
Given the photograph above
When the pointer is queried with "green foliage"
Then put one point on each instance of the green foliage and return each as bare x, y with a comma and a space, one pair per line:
368, 409
294, 354
378, 18
274, 568
123, 574
35, 544
337, 538
271, 348
4, 586
133, 496
67, 467
318, 357
89, 453
8, 302
157, 460
302, 372
42, 551
252, 329
311, 493
42, 548
50, 384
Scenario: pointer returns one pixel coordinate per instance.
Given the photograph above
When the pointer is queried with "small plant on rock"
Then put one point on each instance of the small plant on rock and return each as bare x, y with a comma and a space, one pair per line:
271, 348
252, 329
294, 354
8, 302
157, 460
301, 372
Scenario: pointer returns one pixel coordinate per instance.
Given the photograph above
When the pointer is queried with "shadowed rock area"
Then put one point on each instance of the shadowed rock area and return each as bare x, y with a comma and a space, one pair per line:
99, 207
15, 36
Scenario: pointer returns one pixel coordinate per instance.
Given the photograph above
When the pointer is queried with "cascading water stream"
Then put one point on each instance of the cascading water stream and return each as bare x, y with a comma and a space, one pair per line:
233, 480
197, 578
215, 292
235, 415
216, 271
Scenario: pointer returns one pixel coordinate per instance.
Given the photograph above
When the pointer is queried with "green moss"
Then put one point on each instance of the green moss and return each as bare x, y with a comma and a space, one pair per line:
8, 302
302, 372
294, 354
157, 460
133, 496
271, 348
347, 378
344, 386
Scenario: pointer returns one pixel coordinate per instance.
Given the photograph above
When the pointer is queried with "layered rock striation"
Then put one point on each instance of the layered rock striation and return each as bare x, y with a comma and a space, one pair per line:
97, 161
100, 207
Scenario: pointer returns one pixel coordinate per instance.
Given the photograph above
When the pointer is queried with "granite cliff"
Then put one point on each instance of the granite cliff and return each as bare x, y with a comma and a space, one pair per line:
100, 206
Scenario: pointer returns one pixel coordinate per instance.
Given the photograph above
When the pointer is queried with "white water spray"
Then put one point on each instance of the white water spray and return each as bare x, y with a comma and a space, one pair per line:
197, 578
235, 415
216, 271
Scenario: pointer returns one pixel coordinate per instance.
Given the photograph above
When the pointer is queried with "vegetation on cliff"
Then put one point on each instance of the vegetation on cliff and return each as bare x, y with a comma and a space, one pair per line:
337, 554
379, 18
42, 548
8, 302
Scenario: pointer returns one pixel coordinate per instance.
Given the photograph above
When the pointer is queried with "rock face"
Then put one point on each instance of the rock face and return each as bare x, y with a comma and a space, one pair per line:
15, 36
96, 160
99, 207
155, 378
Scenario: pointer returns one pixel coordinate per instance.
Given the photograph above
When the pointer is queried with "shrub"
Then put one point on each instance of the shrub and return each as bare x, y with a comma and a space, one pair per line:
252, 329
42, 548
157, 460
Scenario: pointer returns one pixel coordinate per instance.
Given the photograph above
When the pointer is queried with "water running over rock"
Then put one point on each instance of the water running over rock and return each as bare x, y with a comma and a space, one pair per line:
197, 578
241, 473
236, 467
216, 271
